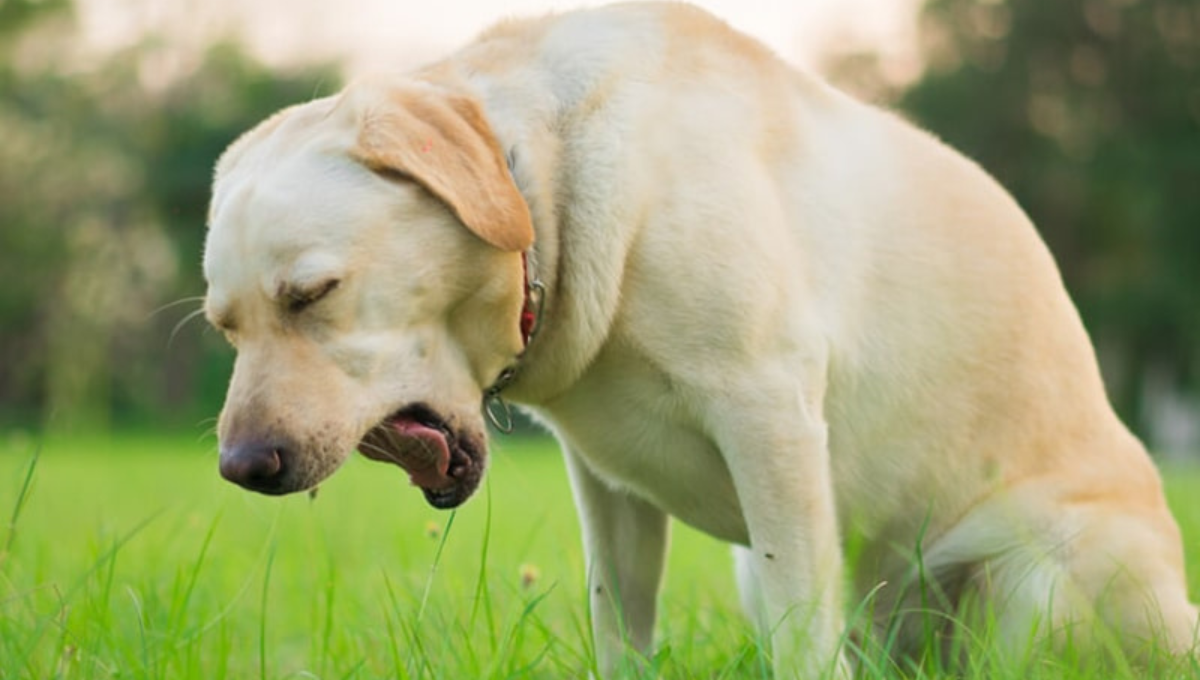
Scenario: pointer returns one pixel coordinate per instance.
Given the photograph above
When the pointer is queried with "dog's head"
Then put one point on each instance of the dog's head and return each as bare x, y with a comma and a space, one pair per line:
363, 257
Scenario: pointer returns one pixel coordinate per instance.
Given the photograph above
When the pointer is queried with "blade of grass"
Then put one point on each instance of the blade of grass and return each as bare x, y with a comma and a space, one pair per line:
327, 623
513, 637
419, 666
354, 669
413, 629
437, 559
179, 606
19, 504
863, 612
262, 620
247, 582
482, 597
144, 644
26, 655
397, 665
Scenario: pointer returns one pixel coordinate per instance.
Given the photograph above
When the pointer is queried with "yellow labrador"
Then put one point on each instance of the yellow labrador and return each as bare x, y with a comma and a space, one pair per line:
738, 297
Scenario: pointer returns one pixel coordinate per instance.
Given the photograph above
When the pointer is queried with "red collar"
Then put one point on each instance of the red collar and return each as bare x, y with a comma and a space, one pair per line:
494, 406
531, 311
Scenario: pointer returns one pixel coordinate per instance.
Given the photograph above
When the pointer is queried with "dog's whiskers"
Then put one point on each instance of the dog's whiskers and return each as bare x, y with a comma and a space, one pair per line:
183, 322
176, 303
365, 446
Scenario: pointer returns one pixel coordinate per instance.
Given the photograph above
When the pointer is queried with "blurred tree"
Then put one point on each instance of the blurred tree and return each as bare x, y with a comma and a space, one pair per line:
1088, 111
104, 180
29, 245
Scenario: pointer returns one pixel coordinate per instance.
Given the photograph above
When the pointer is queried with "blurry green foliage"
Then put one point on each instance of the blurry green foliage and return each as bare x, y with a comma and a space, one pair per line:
1088, 111
104, 183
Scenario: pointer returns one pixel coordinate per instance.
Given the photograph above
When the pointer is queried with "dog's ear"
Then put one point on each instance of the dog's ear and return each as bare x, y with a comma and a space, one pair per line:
443, 142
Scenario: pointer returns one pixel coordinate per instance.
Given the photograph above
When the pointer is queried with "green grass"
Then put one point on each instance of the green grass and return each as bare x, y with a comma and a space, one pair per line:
128, 557
131, 558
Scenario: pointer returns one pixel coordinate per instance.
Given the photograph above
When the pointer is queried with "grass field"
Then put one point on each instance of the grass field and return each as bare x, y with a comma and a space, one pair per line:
129, 557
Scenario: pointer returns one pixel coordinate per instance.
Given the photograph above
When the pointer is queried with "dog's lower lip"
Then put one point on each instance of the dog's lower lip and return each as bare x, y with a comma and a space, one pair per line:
443, 499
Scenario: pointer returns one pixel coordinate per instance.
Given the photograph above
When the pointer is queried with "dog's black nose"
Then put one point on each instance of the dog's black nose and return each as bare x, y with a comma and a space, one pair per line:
255, 465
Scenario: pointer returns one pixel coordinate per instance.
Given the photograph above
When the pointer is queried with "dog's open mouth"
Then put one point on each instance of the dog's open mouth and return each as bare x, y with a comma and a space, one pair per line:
445, 463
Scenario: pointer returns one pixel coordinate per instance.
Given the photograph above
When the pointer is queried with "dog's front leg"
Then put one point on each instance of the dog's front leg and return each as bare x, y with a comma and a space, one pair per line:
777, 453
625, 544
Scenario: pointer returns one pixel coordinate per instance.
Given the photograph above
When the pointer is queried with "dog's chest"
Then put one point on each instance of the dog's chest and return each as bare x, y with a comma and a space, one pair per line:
633, 430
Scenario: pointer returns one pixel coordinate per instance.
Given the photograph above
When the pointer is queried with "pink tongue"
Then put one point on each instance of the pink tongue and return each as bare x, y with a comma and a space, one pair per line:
426, 458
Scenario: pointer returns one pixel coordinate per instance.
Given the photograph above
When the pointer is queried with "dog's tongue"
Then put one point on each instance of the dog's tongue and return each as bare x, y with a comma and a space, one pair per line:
427, 458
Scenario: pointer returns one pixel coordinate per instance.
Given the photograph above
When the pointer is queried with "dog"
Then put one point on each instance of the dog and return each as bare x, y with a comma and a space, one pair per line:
738, 298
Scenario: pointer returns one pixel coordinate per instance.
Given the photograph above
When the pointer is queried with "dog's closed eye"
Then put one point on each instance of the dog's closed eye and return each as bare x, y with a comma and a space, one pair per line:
297, 299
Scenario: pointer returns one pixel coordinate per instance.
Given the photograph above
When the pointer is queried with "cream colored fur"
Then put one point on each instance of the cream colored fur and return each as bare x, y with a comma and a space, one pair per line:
779, 315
